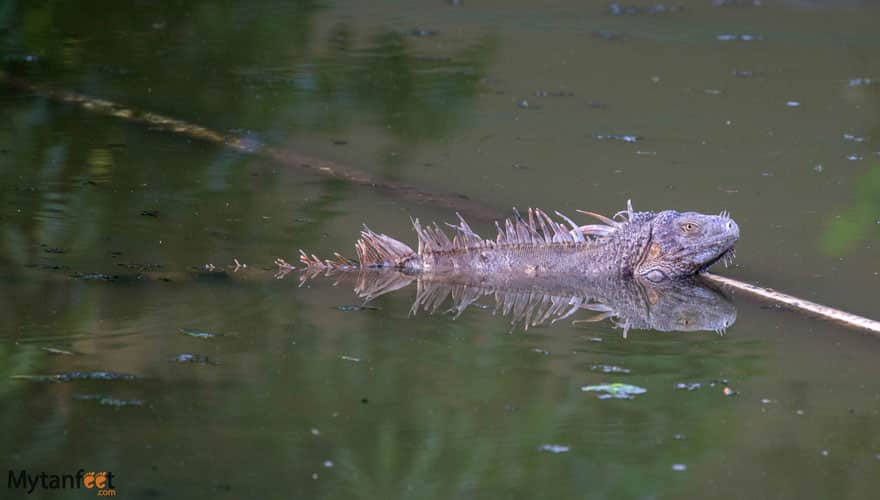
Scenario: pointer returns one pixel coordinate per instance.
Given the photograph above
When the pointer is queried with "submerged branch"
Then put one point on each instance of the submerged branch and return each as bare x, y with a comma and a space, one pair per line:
249, 146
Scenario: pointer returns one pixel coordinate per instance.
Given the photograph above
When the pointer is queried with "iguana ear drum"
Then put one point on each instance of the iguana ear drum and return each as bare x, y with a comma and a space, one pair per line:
655, 276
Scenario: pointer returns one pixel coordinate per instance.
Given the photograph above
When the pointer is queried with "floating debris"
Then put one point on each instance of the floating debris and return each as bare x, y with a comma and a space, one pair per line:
327, 463
737, 3
553, 93
679, 437
617, 137
615, 390
853, 138
746, 73
743, 37
28, 58
192, 358
555, 448
71, 376
54, 250
351, 308
766, 401
610, 35
609, 369
616, 9
109, 401
727, 391
693, 386
200, 335
350, 358
541, 351
818, 167
95, 276
711, 91
679, 467
824, 453
51, 267
422, 32
793, 104
62, 352
137, 266
860, 82
855, 157
150, 213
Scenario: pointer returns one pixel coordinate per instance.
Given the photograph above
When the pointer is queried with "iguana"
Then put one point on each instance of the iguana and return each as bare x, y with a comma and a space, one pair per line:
655, 246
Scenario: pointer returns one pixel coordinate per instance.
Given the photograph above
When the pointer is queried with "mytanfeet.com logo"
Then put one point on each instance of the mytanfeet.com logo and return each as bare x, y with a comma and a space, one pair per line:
101, 482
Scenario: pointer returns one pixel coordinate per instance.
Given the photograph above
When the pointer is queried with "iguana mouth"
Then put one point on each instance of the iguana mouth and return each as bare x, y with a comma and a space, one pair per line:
725, 257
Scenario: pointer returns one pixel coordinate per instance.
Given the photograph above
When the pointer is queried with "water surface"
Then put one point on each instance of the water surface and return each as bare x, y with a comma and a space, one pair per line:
771, 112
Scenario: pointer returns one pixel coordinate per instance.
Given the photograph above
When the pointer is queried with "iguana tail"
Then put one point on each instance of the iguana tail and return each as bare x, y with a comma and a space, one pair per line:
374, 251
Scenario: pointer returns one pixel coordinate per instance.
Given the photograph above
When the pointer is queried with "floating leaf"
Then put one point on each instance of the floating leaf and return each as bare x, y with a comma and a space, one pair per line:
200, 335
555, 448
615, 390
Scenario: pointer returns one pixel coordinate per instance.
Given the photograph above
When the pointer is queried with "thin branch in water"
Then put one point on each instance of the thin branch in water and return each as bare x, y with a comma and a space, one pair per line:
800, 305
247, 145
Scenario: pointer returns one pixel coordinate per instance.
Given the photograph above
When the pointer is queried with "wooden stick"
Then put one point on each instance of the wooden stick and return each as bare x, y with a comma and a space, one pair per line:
801, 305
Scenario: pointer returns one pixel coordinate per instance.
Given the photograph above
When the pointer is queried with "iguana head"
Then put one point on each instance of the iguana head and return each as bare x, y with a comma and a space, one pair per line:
685, 243
668, 245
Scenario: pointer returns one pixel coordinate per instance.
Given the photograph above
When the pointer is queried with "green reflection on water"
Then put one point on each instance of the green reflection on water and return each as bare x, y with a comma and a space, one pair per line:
256, 69
434, 408
860, 221
237, 66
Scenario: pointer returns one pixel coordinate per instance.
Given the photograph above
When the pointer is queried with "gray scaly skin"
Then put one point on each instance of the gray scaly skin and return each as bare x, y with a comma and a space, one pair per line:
656, 246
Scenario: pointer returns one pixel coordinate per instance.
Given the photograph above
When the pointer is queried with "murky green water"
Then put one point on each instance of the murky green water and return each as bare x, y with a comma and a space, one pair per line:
771, 112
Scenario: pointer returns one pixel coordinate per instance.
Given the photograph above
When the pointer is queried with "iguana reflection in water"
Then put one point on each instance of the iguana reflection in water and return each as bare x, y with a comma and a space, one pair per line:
630, 303
637, 267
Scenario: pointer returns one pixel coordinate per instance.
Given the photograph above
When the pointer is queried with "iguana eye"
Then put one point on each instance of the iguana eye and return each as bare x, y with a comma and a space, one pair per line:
688, 227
